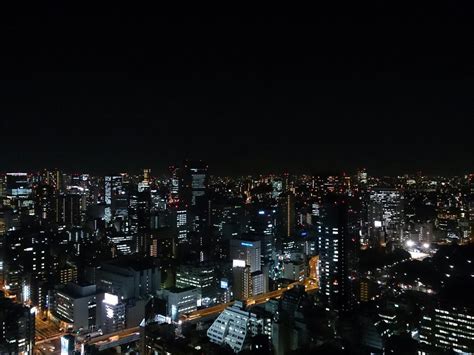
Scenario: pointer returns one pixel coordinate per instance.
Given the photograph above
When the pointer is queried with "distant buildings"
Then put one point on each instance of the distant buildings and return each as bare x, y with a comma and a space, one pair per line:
157, 248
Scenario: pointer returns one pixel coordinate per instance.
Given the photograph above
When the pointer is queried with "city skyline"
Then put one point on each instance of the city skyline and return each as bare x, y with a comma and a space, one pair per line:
227, 184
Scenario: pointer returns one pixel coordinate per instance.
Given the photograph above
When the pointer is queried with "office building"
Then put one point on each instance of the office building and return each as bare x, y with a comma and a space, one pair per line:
294, 270
17, 327
130, 277
193, 184
247, 252
448, 327
45, 204
200, 276
338, 243
242, 285
234, 327
139, 217
68, 209
113, 314
385, 214
75, 306
180, 301
113, 190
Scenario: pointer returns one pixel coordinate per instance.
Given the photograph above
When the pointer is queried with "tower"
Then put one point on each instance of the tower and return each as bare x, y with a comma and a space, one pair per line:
338, 242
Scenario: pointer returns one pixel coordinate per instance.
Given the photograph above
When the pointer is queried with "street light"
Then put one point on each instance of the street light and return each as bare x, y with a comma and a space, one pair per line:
410, 243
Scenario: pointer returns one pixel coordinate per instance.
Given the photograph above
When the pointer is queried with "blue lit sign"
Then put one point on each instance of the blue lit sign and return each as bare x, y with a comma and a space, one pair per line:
304, 234
245, 244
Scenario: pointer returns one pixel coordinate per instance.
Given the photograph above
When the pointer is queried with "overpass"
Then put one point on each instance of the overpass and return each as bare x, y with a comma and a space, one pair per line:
114, 339
129, 335
310, 285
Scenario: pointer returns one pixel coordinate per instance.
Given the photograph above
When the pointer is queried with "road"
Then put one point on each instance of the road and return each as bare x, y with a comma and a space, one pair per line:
103, 340
116, 336
46, 329
310, 285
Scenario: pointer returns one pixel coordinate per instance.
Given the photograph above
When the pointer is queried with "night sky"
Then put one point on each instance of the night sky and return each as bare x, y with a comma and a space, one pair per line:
115, 92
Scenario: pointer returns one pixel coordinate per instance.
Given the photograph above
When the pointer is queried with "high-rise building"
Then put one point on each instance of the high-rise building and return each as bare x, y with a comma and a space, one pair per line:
45, 204
174, 185
130, 277
180, 301
194, 181
338, 244
242, 286
246, 252
68, 209
287, 211
261, 224
448, 327
113, 314
385, 214
17, 327
147, 176
18, 185
139, 217
113, 188
200, 276
74, 306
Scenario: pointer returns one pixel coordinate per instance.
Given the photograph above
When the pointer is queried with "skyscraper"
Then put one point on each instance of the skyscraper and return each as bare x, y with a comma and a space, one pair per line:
338, 241
45, 204
385, 213
287, 211
194, 180
246, 251
112, 189
17, 327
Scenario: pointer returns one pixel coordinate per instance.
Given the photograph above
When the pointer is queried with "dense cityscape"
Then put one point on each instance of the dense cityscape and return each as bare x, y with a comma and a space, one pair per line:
188, 262
208, 182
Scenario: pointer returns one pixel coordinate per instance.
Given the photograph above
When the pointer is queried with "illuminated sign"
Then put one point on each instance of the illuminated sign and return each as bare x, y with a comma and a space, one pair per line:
238, 263
110, 299
377, 224
261, 212
246, 244
224, 283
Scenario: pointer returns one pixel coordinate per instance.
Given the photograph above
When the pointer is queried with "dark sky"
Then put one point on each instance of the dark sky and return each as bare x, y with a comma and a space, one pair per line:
111, 91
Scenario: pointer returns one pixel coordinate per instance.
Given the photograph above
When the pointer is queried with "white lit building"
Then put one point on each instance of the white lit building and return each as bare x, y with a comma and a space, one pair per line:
448, 327
294, 270
113, 314
180, 301
74, 306
199, 276
234, 326
385, 212
248, 251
